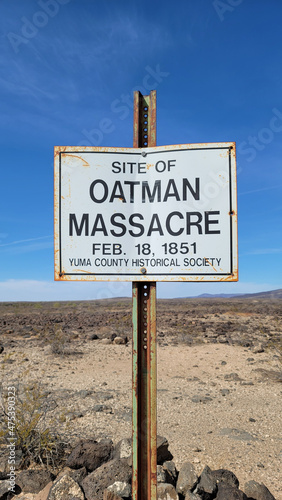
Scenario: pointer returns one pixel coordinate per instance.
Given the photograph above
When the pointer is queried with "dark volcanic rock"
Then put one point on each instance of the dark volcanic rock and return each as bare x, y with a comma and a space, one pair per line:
192, 496
170, 468
90, 454
33, 480
163, 453
187, 479
77, 474
206, 486
94, 336
257, 491
166, 492
98, 481
225, 476
4, 489
163, 475
225, 491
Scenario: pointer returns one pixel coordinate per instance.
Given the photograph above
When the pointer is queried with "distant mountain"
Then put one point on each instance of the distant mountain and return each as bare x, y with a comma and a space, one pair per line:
272, 294
217, 296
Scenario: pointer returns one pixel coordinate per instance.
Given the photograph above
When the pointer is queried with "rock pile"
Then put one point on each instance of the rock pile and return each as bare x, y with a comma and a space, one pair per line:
100, 471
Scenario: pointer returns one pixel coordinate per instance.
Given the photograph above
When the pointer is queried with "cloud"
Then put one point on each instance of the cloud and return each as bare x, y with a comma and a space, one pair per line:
24, 241
260, 190
265, 251
27, 245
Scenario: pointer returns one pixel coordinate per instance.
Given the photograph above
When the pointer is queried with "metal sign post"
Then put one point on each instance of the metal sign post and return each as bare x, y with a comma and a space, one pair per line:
144, 382
146, 214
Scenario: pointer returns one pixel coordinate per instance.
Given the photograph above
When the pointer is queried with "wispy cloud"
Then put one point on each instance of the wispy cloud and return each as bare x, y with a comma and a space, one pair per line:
277, 186
17, 242
27, 245
264, 251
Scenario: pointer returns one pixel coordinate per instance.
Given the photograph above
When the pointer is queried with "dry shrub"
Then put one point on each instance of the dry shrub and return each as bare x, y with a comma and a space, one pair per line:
33, 426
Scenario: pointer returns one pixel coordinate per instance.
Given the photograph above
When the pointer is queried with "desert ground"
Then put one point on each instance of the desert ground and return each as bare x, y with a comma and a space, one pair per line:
219, 375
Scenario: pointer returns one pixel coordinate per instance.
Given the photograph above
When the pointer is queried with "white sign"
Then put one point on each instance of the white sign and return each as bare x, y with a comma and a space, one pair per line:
166, 213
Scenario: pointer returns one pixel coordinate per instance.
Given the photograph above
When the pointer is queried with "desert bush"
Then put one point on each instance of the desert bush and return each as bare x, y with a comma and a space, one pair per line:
61, 343
33, 426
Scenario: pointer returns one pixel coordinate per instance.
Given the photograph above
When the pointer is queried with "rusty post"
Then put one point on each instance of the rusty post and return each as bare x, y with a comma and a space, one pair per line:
144, 378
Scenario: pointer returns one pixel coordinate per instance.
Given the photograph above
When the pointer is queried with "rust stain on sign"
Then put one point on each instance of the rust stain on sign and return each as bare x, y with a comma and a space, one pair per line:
84, 162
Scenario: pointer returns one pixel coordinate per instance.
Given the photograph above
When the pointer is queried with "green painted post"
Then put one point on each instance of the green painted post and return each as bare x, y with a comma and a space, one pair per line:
144, 365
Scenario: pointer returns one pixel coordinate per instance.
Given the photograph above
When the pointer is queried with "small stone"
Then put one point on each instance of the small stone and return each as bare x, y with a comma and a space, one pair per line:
161, 474
224, 392
192, 496
200, 399
105, 341
109, 495
123, 448
187, 479
65, 488
166, 492
233, 377
102, 409
77, 474
169, 467
163, 454
207, 483
119, 340
258, 349
225, 476
120, 488
94, 337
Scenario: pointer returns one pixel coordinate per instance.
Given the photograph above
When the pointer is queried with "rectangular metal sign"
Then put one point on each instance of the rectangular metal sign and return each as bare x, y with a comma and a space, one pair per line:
167, 213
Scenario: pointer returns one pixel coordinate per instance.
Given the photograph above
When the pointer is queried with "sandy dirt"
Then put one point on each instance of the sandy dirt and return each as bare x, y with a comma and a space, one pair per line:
219, 403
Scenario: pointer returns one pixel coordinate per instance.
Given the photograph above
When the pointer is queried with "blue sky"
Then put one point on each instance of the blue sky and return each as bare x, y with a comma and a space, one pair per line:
69, 65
